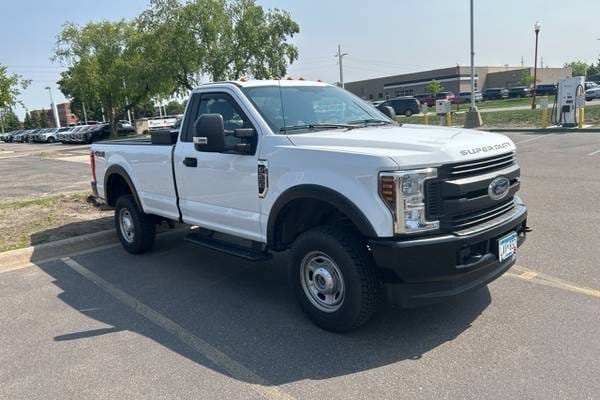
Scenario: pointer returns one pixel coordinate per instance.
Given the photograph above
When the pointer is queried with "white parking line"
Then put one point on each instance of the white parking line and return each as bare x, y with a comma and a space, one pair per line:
594, 152
235, 369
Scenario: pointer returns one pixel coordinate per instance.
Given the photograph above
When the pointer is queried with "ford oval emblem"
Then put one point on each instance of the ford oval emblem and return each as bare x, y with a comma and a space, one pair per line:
499, 188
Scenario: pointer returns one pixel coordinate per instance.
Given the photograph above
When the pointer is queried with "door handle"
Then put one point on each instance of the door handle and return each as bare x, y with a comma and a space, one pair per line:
190, 162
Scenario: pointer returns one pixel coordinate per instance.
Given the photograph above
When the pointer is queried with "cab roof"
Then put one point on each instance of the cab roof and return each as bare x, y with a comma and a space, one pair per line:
267, 82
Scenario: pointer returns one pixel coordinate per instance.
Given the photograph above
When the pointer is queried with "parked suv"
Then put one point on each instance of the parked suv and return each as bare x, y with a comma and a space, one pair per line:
546, 89
495, 94
402, 105
465, 97
518, 92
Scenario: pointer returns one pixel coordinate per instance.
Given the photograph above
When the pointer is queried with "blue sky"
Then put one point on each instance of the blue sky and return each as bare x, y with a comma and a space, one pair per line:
383, 37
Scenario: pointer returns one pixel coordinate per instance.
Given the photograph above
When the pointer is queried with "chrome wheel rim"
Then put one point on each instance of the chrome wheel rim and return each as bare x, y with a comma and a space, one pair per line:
126, 224
322, 281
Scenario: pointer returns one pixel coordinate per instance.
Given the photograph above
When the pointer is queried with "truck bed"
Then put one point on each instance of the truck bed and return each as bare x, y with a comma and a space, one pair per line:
148, 165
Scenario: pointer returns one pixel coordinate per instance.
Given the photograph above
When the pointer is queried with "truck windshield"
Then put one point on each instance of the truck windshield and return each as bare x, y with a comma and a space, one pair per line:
297, 109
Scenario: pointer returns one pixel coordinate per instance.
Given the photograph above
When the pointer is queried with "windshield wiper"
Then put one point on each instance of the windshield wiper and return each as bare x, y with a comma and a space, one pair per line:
371, 121
317, 126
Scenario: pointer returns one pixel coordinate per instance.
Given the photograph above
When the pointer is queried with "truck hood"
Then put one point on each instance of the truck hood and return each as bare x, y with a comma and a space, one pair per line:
409, 145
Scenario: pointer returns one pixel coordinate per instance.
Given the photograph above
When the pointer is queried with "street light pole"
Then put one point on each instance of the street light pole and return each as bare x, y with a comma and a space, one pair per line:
473, 118
340, 56
54, 109
536, 27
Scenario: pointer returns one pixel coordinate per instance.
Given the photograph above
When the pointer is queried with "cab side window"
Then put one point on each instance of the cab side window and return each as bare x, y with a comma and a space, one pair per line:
219, 103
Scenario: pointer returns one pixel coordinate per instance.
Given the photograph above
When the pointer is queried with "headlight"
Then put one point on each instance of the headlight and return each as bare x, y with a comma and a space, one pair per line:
404, 194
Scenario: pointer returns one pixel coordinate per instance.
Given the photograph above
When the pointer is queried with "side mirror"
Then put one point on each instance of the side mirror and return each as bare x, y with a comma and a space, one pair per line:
388, 111
209, 133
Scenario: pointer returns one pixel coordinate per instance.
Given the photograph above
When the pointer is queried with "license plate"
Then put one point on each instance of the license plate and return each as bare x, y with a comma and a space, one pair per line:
507, 246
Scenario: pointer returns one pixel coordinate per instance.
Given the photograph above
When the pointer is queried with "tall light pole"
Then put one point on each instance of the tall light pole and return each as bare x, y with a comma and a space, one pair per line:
473, 118
536, 27
54, 109
340, 56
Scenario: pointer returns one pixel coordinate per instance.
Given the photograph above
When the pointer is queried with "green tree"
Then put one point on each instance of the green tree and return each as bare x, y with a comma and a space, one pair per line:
579, 68
99, 56
43, 117
218, 39
35, 120
11, 121
526, 78
27, 122
10, 89
174, 108
434, 87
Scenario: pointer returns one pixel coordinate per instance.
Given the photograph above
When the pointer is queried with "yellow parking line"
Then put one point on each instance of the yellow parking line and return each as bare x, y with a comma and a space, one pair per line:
551, 281
235, 369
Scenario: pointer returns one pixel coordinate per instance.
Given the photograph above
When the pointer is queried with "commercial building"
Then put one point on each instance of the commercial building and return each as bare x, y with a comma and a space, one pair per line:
65, 116
454, 79
40, 114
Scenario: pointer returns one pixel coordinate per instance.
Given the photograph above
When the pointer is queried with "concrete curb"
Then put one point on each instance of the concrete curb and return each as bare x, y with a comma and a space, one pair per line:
53, 250
15, 259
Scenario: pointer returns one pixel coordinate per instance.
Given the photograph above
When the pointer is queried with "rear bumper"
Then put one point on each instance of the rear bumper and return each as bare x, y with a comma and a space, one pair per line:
427, 270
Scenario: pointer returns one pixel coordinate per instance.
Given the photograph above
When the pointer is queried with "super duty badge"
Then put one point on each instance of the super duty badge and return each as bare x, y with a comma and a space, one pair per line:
485, 149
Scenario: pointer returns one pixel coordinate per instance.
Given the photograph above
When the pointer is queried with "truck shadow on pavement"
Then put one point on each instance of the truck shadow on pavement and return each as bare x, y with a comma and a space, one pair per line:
246, 311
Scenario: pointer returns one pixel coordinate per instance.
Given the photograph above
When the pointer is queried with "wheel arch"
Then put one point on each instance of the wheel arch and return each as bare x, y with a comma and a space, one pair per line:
117, 175
314, 193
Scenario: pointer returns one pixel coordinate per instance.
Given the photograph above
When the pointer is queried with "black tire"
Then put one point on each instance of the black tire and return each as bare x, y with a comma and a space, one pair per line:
142, 225
361, 286
50, 139
408, 112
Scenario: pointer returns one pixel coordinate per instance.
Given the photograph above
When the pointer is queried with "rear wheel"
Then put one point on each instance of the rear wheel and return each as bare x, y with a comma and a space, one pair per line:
408, 112
333, 277
135, 229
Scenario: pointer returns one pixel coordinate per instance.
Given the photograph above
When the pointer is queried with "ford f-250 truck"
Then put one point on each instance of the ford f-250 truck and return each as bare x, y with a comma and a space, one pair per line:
367, 208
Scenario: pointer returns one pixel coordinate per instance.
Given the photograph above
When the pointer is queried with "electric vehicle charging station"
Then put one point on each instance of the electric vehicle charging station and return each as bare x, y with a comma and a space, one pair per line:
569, 102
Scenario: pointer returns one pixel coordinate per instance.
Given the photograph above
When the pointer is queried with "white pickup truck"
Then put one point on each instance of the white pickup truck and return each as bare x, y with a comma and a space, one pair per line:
368, 209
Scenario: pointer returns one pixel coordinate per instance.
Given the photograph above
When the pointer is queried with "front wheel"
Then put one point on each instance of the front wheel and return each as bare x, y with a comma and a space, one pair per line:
135, 229
333, 277
408, 112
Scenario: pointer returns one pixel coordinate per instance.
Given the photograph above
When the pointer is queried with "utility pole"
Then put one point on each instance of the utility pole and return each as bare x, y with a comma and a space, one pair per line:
340, 57
473, 118
542, 62
522, 62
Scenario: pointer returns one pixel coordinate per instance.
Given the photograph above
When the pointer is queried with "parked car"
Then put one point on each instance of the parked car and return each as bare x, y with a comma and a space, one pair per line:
62, 134
161, 122
425, 99
465, 97
495, 94
69, 136
8, 136
47, 135
590, 85
446, 96
546, 89
338, 193
23, 137
518, 92
593, 93
402, 105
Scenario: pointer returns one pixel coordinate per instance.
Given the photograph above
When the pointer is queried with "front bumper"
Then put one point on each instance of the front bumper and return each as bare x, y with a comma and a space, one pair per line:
427, 270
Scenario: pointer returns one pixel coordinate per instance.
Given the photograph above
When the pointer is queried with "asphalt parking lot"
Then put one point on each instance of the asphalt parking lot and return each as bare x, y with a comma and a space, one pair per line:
35, 170
186, 322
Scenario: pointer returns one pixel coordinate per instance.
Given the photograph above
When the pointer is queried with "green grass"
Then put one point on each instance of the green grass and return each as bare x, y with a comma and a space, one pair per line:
505, 119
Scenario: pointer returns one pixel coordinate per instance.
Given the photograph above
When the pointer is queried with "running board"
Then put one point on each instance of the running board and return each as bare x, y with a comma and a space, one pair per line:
227, 247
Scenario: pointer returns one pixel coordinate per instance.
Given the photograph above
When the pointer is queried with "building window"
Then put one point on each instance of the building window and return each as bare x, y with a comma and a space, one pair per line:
380, 95
370, 97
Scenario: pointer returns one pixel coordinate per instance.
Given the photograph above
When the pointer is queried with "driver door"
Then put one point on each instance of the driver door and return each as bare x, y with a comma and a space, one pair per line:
218, 191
